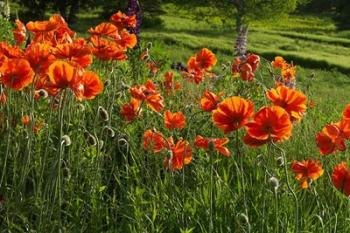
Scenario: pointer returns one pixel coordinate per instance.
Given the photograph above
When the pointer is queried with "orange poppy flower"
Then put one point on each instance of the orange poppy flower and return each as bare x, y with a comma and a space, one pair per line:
175, 120
40, 57
121, 20
209, 100
89, 86
307, 170
105, 29
330, 140
218, 144
42, 26
341, 178
3, 98
20, 32
181, 154
344, 128
169, 84
7, 51
346, 112
131, 110
253, 60
62, 75
149, 94
25, 120
16, 73
293, 101
269, 123
107, 50
235, 67
232, 113
205, 59
154, 141
289, 72
78, 54
127, 40
247, 73
279, 62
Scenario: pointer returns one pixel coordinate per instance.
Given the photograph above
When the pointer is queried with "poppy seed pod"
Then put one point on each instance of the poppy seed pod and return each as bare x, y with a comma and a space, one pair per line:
103, 113
65, 140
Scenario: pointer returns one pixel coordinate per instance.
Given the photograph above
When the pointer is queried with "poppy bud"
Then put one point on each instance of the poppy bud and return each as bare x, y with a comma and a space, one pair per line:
280, 161
274, 183
110, 131
123, 144
90, 139
149, 45
107, 83
43, 93
103, 113
65, 140
100, 144
81, 107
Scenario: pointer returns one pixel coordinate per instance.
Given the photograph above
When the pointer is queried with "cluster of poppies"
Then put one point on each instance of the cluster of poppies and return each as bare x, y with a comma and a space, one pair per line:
287, 72
245, 67
54, 59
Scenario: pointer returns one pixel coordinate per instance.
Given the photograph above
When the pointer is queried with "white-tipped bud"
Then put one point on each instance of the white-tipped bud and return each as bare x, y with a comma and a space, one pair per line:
107, 83
65, 140
274, 182
149, 45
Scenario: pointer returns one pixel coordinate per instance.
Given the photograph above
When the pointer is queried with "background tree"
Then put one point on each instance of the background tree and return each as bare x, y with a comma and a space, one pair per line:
244, 12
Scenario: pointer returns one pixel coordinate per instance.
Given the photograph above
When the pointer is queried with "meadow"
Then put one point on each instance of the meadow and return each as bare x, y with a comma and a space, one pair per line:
88, 145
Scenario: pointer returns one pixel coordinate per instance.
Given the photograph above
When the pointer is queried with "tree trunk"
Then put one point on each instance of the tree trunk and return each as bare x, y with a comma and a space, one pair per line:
73, 11
242, 38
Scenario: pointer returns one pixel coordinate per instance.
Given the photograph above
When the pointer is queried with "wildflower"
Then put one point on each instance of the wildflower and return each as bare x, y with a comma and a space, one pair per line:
105, 29
3, 98
289, 72
25, 120
181, 154
329, 140
90, 85
20, 32
175, 120
279, 62
16, 73
154, 141
269, 123
293, 101
170, 85
204, 59
149, 94
218, 144
245, 68
77, 53
121, 20
232, 114
346, 112
131, 110
306, 171
209, 101
341, 178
